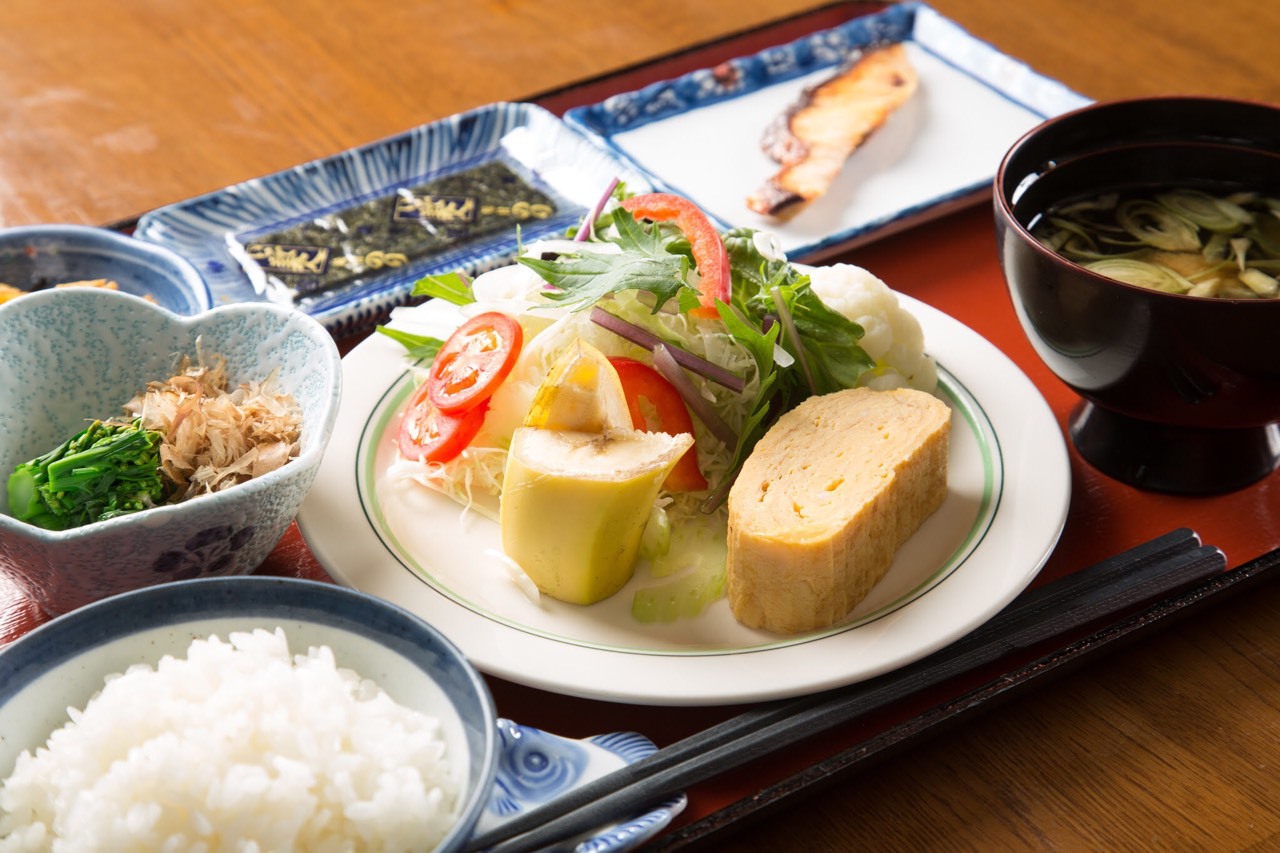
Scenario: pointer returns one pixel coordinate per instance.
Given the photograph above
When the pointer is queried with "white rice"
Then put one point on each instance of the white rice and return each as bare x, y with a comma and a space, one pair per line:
239, 746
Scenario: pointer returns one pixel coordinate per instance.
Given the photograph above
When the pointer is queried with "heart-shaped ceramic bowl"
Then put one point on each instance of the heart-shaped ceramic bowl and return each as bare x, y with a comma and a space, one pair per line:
68, 356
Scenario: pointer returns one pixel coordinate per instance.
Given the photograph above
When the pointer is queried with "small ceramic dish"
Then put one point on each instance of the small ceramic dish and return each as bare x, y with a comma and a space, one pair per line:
77, 354
35, 257
1180, 393
536, 766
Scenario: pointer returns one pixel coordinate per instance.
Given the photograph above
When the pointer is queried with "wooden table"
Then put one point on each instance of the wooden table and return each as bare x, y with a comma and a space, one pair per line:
110, 110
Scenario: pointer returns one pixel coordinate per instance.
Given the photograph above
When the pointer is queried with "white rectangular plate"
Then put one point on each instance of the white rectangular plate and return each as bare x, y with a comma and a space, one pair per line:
699, 135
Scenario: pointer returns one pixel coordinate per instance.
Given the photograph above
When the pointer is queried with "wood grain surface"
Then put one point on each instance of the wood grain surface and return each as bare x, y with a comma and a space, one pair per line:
108, 110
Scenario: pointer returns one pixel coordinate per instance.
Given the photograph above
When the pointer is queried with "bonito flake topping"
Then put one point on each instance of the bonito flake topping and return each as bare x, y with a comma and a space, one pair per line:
215, 437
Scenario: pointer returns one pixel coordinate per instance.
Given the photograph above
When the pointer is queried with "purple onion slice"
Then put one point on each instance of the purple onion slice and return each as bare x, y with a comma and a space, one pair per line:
665, 363
651, 342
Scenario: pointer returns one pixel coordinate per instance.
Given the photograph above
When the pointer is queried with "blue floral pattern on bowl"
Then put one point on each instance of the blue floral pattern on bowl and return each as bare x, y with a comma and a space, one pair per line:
212, 551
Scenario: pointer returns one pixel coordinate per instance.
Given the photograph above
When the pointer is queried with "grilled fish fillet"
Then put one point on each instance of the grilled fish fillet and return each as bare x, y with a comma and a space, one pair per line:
812, 140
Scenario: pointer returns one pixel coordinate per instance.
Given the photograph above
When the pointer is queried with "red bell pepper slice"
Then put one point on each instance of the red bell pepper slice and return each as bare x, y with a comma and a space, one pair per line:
656, 406
709, 254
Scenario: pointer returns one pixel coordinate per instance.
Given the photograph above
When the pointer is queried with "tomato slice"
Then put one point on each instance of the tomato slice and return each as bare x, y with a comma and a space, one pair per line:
708, 249
656, 406
427, 434
473, 362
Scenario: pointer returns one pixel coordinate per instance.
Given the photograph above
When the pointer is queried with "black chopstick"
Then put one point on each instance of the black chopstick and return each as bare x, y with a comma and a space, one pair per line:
1144, 573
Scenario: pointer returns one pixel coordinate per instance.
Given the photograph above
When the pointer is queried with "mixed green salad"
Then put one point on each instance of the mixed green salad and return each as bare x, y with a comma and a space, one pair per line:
711, 333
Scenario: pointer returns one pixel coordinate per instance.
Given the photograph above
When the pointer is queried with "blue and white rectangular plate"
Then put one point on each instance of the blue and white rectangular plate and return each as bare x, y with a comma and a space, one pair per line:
699, 135
227, 234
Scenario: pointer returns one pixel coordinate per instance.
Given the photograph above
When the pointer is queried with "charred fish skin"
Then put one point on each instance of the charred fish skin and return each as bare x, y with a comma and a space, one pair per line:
816, 135
778, 142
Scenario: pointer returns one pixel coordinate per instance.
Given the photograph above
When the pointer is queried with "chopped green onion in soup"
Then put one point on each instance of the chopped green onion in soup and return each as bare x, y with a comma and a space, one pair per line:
1176, 240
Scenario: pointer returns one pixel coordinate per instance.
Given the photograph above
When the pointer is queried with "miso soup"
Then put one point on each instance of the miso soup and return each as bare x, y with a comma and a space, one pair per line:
1182, 240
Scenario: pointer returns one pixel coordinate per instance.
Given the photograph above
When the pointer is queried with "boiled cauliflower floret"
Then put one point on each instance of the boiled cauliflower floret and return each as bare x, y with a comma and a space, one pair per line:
893, 336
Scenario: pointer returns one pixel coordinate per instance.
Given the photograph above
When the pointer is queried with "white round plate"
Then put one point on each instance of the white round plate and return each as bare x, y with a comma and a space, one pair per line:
1009, 486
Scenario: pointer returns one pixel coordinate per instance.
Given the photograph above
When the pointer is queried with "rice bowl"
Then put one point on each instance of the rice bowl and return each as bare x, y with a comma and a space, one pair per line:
319, 719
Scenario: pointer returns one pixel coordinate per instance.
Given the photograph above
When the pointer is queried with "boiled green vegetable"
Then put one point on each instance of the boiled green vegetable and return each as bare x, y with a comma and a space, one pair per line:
106, 470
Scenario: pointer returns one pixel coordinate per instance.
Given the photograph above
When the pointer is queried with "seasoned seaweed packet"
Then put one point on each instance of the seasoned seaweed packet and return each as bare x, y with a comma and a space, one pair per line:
358, 244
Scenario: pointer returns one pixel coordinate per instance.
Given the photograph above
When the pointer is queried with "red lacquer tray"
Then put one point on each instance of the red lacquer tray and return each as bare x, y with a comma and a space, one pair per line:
950, 263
